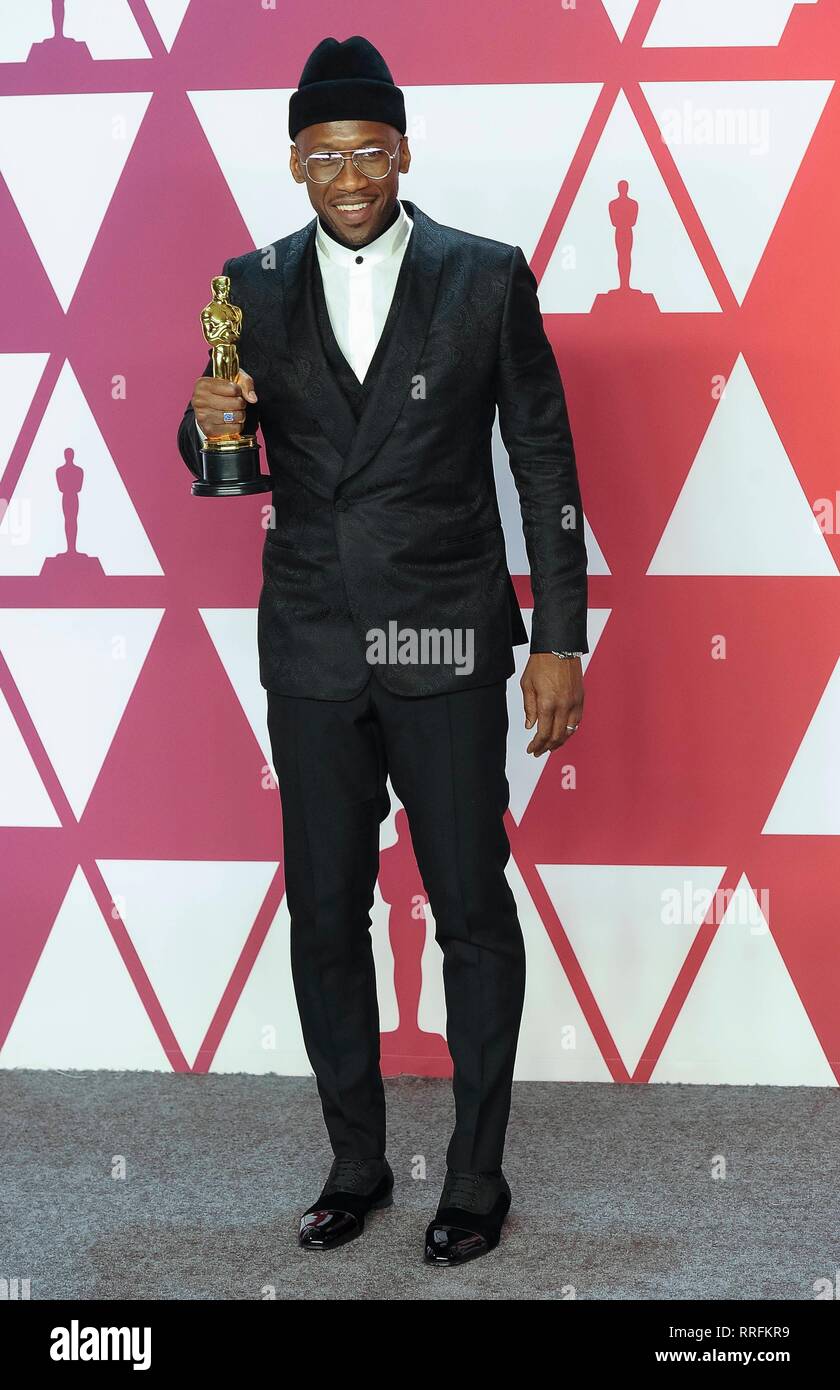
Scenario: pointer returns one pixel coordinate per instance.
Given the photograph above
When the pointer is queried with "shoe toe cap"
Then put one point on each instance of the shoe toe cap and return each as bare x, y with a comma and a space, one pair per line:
324, 1227
451, 1245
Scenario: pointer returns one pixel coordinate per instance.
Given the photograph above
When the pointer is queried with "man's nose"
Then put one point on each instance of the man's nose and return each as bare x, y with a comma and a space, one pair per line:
349, 180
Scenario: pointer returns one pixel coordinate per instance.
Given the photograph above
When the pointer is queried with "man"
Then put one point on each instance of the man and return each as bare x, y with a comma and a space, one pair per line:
378, 344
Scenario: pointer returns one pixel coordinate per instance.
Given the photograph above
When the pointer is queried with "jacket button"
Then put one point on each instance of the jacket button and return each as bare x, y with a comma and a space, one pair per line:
341, 505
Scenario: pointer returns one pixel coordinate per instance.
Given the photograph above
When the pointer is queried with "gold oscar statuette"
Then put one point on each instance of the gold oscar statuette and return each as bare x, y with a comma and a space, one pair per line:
230, 463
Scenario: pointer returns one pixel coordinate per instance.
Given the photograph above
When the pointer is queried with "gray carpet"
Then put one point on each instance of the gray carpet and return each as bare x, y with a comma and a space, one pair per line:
613, 1193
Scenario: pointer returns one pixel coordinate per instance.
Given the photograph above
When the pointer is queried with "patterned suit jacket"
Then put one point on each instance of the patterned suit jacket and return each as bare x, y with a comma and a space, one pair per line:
393, 519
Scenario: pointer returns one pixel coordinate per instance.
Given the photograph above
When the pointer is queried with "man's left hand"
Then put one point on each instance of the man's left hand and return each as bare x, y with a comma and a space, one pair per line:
552, 691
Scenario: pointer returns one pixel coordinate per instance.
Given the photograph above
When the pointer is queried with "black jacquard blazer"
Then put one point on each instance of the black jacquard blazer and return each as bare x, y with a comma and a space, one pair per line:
393, 518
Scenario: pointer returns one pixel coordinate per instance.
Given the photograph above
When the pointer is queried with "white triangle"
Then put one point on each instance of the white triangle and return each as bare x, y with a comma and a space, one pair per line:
620, 13
464, 191
109, 528
23, 796
630, 927
738, 178
517, 557
81, 1011
451, 190
431, 1010
264, 1033
720, 23
383, 961
383, 956
596, 559
20, 373
62, 157
809, 800
742, 509
168, 16
256, 170
743, 1023
76, 669
523, 769
584, 263
107, 27
555, 1041
233, 632
188, 921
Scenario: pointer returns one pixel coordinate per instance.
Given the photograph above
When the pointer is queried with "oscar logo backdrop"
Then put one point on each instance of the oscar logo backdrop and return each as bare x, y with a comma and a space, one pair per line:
669, 168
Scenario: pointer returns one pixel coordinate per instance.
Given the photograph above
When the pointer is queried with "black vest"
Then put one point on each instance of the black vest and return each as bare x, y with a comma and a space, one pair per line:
356, 392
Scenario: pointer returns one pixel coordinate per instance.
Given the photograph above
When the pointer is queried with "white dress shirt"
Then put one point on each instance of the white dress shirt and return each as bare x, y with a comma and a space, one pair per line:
359, 287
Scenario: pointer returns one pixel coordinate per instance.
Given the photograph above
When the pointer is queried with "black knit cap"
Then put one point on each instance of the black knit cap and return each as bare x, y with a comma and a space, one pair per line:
347, 81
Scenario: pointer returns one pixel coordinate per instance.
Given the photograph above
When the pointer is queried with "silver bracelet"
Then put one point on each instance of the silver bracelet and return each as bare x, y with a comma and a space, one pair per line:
564, 654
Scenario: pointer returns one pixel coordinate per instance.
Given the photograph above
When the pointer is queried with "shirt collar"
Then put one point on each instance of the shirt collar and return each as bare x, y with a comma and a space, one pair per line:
387, 244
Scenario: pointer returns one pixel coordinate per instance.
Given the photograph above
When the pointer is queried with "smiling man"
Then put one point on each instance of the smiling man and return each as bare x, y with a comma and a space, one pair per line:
377, 345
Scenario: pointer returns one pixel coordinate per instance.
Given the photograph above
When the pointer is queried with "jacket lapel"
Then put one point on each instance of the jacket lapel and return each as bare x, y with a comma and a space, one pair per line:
409, 318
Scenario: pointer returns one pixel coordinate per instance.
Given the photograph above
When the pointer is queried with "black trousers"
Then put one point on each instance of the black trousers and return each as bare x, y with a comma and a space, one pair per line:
445, 755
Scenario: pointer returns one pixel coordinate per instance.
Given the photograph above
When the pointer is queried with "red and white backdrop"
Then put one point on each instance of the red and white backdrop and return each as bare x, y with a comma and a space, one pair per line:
676, 864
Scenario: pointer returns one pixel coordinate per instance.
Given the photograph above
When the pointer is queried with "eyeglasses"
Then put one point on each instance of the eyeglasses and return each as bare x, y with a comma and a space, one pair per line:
371, 161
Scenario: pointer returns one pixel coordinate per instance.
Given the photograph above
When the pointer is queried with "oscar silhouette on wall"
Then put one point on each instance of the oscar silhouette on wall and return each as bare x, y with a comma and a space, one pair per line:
402, 889
59, 45
624, 213
71, 563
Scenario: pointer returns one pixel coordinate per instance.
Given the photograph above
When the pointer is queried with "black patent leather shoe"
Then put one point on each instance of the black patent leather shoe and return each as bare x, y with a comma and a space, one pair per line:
469, 1218
354, 1187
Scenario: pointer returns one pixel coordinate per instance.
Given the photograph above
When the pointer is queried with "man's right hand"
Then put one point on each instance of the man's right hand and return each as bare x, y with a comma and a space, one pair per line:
213, 396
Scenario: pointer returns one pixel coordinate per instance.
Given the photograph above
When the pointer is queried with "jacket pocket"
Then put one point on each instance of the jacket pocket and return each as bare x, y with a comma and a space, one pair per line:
272, 545
471, 535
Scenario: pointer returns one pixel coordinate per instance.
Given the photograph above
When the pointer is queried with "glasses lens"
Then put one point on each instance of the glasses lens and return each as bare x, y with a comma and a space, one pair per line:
321, 168
374, 164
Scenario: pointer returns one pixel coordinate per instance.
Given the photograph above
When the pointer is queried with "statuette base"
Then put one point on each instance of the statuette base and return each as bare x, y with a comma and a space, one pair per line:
231, 468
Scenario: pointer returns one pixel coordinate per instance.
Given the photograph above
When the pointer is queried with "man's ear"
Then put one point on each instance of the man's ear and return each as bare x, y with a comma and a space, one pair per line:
295, 166
405, 156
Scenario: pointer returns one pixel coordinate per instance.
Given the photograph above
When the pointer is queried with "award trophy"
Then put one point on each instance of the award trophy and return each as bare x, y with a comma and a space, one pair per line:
230, 463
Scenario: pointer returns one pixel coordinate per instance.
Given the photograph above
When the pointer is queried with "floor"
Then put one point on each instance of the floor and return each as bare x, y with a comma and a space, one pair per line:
140, 1185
